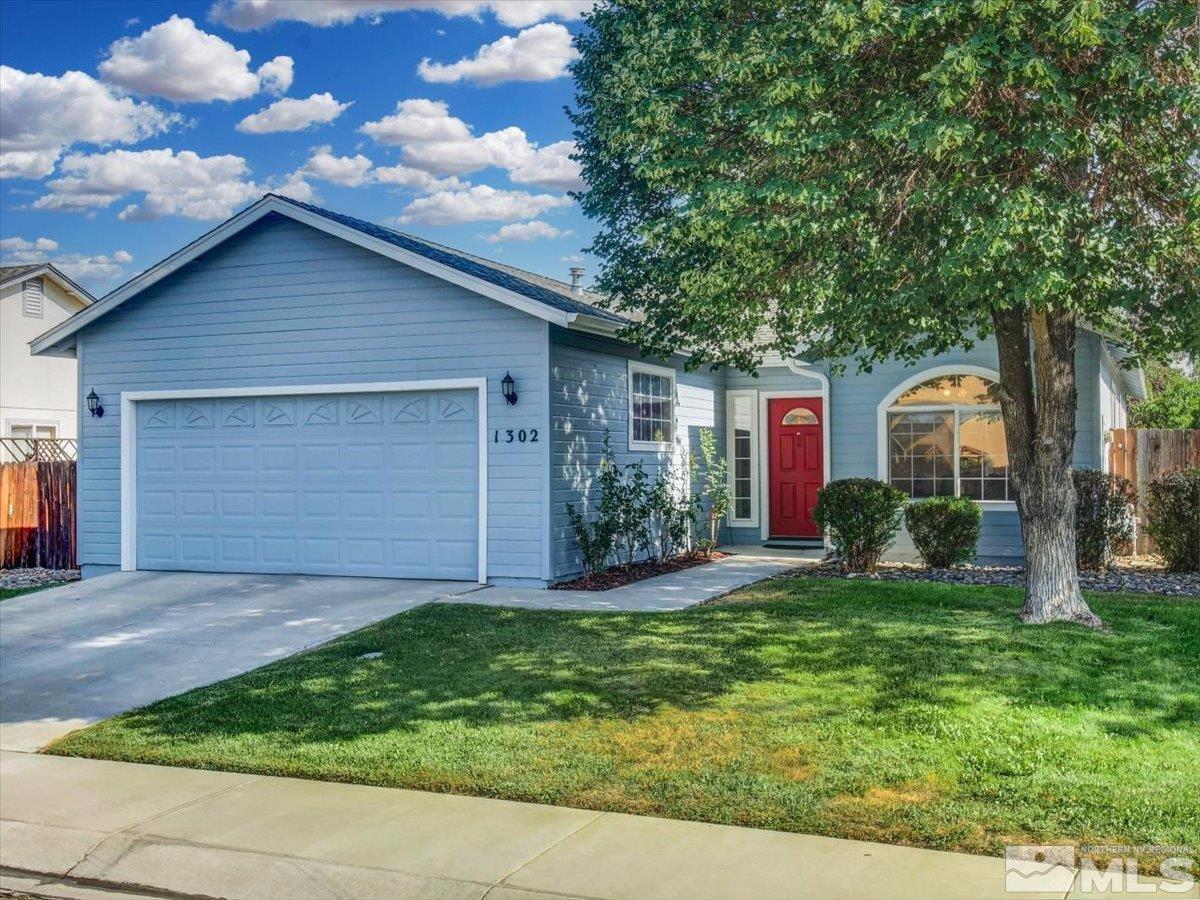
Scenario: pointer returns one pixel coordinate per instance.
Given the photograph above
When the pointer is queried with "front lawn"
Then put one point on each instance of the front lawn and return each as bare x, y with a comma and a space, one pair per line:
9, 593
909, 713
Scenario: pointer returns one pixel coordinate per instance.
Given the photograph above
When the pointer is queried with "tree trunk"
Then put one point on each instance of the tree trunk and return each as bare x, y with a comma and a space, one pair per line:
1037, 398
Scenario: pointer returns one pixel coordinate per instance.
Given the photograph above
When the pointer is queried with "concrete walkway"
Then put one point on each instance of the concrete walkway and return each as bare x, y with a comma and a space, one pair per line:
676, 590
216, 834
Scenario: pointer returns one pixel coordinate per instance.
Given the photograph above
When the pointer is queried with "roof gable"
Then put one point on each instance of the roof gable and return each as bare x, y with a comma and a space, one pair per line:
11, 274
535, 295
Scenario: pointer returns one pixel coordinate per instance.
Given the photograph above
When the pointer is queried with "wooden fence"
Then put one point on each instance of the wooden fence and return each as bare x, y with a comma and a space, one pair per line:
37, 515
1143, 454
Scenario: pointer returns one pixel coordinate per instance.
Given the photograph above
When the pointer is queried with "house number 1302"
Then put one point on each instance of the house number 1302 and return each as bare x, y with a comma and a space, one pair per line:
515, 436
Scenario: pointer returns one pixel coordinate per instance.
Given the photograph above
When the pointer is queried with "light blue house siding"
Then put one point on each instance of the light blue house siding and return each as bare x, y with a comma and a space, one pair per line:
284, 304
854, 436
590, 395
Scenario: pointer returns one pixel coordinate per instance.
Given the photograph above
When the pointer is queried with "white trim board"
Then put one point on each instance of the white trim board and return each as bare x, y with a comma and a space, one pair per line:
130, 399
270, 204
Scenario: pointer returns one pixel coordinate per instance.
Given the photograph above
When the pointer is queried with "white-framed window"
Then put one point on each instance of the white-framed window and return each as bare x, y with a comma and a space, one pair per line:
945, 438
40, 432
741, 430
33, 302
651, 406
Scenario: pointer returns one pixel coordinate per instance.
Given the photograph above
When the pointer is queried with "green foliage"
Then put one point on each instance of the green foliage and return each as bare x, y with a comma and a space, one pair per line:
1103, 517
1173, 401
895, 172
636, 516
716, 486
1173, 519
944, 529
861, 517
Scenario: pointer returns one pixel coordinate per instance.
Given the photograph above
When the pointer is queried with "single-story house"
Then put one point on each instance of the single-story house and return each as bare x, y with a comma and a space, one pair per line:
299, 391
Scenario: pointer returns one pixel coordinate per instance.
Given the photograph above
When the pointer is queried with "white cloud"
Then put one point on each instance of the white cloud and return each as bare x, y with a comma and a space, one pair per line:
296, 186
435, 141
349, 171
14, 245
170, 183
540, 53
42, 115
417, 121
526, 231
177, 60
291, 114
550, 166
246, 15
101, 267
419, 179
479, 204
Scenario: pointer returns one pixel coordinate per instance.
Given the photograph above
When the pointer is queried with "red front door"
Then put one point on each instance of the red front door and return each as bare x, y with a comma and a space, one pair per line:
797, 464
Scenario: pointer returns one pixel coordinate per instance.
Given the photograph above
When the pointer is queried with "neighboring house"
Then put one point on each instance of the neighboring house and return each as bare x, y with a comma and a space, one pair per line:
301, 391
38, 395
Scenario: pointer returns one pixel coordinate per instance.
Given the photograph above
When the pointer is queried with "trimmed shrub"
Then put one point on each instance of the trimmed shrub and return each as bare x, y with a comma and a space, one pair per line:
861, 517
945, 530
1103, 517
1173, 518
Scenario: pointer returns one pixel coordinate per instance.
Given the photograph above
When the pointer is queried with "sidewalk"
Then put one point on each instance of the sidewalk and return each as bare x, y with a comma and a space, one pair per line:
218, 834
675, 590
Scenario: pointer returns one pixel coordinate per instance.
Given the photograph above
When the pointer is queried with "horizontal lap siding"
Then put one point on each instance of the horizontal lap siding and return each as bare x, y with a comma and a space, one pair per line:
284, 304
854, 439
589, 394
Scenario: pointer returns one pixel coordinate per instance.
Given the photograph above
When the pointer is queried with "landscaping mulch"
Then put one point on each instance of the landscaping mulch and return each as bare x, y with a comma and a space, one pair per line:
619, 576
1127, 576
27, 578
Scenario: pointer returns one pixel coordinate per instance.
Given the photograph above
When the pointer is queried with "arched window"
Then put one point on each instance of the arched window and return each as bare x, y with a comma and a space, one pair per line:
798, 415
945, 437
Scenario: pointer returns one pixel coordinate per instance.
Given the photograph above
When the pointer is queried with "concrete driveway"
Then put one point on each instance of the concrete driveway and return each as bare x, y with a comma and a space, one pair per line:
82, 652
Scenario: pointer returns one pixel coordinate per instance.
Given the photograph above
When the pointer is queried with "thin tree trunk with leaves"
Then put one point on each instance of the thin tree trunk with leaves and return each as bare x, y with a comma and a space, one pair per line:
1037, 398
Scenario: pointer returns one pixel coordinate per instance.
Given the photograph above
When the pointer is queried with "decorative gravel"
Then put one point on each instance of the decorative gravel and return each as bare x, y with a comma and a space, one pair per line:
1139, 577
23, 578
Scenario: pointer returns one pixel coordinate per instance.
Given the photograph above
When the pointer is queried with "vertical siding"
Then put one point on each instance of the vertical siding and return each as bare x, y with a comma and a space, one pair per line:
285, 304
588, 383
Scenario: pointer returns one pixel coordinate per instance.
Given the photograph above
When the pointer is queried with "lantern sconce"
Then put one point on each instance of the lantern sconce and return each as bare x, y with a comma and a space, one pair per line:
508, 387
93, 404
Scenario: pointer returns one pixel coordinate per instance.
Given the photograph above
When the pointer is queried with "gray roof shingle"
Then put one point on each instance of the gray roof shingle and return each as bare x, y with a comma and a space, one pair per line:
556, 294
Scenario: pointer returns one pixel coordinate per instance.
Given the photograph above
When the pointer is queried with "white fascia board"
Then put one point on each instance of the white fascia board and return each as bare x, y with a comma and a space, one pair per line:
254, 213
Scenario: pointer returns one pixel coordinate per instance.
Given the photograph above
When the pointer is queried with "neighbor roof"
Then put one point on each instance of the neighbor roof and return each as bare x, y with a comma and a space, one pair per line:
9, 274
537, 295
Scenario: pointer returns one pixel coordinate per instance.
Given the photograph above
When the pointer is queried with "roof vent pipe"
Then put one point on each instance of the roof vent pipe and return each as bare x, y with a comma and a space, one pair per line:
576, 279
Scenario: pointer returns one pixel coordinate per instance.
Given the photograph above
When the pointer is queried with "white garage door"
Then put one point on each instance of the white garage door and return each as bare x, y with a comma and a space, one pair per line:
381, 484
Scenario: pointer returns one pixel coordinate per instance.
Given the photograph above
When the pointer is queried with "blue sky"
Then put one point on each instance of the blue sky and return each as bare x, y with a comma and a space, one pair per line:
166, 127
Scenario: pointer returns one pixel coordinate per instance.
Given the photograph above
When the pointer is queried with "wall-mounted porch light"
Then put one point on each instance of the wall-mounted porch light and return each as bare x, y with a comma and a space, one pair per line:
508, 387
93, 404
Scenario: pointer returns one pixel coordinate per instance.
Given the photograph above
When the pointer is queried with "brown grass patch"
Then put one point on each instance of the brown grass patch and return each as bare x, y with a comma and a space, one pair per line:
792, 763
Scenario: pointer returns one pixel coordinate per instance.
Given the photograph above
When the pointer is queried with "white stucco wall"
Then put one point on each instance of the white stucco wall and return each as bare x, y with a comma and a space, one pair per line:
42, 390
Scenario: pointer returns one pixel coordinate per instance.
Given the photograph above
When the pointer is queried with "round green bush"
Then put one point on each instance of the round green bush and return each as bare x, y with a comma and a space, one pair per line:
1103, 517
1173, 519
945, 530
861, 517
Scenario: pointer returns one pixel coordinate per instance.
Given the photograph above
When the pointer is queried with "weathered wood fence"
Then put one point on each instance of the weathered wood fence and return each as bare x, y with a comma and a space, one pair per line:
1143, 454
37, 515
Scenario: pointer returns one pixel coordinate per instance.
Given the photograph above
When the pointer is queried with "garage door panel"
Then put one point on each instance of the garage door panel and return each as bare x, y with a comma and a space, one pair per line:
355, 484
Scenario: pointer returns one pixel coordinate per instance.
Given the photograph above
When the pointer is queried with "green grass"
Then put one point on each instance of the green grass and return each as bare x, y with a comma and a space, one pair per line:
9, 593
908, 713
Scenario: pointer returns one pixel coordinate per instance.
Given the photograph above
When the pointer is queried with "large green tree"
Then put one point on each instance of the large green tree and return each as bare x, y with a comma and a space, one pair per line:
875, 179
